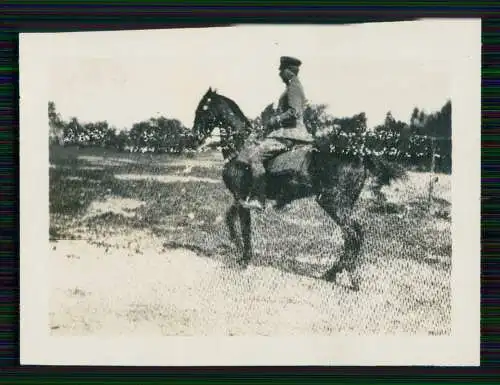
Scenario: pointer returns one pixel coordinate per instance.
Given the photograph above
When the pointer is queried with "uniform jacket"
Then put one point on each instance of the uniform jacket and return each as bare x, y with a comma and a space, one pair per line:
291, 108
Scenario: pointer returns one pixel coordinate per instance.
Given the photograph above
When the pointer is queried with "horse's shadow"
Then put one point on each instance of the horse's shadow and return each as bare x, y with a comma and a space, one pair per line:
228, 255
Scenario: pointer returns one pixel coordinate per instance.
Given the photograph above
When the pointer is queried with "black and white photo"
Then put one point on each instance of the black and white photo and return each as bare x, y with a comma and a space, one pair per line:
254, 186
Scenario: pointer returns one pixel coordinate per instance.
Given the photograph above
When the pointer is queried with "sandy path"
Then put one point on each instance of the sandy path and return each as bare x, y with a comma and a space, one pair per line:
177, 292
166, 178
141, 288
118, 161
136, 286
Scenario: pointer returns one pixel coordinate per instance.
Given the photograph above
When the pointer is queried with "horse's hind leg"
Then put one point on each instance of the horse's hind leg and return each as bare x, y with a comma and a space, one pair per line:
231, 215
246, 232
341, 212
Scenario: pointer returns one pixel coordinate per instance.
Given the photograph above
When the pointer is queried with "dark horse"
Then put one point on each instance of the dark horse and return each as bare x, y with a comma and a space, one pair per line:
335, 181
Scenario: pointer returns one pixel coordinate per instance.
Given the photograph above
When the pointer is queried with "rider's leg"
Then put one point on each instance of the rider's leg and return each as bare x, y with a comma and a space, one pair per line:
262, 152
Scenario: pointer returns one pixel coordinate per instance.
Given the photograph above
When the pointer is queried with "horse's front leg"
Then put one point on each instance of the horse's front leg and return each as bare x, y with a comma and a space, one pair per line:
246, 232
231, 215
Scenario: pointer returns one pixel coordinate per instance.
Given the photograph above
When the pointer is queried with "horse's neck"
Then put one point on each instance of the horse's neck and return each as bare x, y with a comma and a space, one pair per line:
235, 133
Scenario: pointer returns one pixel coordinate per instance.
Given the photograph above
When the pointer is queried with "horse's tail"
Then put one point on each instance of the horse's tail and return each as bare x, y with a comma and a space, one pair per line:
384, 171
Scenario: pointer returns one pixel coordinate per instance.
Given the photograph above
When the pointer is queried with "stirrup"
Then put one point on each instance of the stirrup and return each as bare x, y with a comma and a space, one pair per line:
253, 204
282, 206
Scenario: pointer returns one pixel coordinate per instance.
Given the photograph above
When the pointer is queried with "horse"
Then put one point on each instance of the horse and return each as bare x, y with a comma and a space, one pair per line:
334, 180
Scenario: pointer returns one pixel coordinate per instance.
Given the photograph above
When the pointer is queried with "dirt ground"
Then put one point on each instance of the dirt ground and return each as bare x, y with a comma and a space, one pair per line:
133, 283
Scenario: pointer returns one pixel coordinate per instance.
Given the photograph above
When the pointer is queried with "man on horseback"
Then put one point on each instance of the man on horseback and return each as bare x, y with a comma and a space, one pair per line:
287, 129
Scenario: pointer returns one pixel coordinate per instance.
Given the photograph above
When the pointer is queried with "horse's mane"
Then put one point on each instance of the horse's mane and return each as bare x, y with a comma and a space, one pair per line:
232, 104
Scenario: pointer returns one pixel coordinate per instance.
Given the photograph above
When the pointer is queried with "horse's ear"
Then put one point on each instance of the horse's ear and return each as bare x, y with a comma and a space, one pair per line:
209, 89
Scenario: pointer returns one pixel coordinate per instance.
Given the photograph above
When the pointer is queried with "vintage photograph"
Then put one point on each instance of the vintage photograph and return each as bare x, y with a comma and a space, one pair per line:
250, 181
250, 194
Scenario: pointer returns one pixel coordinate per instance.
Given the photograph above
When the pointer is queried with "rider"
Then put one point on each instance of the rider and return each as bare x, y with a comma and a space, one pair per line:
287, 129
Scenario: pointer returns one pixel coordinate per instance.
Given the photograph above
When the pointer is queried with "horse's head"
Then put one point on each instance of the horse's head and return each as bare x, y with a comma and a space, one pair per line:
206, 116
215, 110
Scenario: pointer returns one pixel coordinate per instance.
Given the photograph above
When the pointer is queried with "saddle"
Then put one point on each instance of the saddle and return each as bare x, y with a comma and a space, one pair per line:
295, 161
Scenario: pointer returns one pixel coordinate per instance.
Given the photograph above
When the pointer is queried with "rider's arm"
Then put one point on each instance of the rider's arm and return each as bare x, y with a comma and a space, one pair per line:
295, 105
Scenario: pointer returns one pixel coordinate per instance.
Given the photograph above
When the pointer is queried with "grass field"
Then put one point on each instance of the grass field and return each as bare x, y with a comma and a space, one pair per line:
139, 245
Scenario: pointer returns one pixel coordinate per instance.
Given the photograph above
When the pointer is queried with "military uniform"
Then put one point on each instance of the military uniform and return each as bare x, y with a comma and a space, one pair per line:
287, 127
289, 122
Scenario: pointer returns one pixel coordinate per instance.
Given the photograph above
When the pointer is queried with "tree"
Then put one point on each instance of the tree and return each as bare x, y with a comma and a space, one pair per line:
72, 131
260, 123
438, 127
267, 112
96, 134
160, 135
355, 124
56, 125
138, 135
393, 137
316, 117
120, 141
170, 135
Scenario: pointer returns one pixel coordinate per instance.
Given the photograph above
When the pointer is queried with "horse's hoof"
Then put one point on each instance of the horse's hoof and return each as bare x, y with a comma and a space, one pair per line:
354, 284
333, 274
253, 205
346, 280
329, 276
243, 263
281, 207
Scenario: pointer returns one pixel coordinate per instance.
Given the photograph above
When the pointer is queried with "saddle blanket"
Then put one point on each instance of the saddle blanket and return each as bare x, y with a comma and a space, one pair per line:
294, 161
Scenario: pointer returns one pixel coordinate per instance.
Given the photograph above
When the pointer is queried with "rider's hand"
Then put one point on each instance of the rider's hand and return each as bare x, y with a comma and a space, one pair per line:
274, 121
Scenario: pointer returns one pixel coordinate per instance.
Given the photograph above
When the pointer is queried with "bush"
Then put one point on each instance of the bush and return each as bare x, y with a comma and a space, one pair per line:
414, 144
423, 143
161, 135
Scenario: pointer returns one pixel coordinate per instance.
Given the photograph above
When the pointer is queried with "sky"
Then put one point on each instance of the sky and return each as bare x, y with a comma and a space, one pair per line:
128, 76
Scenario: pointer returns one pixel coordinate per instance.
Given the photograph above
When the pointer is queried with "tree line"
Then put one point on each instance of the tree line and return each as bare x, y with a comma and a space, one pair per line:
160, 135
424, 142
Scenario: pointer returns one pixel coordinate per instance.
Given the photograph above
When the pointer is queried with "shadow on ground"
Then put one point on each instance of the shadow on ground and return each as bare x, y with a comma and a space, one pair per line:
88, 200
104, 199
